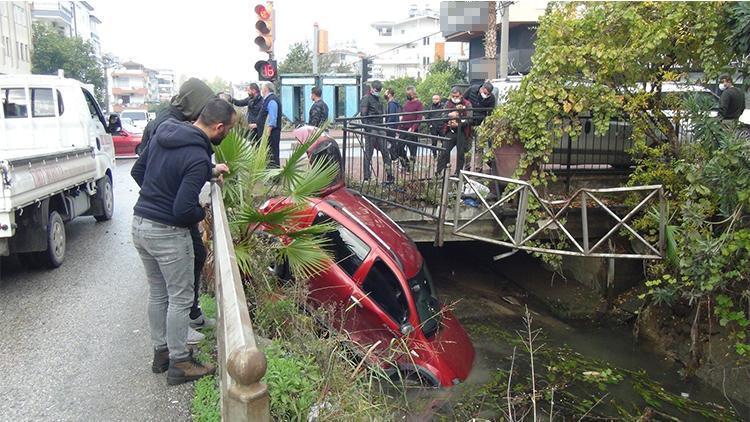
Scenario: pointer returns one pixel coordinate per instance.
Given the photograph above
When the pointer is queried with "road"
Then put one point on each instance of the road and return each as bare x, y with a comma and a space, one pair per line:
74, 342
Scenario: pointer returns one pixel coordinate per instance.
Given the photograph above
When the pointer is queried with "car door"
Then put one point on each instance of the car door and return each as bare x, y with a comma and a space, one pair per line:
98, 136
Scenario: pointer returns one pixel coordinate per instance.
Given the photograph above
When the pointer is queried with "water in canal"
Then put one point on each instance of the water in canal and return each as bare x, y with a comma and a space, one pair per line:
597, 370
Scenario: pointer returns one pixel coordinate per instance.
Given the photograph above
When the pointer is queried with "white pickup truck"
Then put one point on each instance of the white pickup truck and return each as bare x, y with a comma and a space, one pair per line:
56, 163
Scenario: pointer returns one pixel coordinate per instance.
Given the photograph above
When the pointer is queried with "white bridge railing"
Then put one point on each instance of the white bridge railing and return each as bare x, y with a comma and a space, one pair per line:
241, 364
518, 238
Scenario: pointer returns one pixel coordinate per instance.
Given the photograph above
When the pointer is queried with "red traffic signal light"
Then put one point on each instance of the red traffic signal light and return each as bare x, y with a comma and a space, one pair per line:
262, 12
266, 70
264, 27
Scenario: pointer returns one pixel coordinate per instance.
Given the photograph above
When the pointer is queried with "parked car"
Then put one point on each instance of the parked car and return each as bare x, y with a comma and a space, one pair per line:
379, 286
126, 142
140, 119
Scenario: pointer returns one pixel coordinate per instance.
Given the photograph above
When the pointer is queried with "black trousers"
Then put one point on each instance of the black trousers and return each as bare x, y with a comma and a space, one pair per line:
445, 156
403, 146
199, 249
274, 141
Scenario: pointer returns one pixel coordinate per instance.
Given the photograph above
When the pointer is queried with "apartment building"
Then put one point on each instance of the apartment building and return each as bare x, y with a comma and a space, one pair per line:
71, 19
15, 37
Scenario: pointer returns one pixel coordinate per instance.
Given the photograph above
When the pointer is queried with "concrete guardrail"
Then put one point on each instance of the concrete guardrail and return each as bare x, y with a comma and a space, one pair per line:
241, 364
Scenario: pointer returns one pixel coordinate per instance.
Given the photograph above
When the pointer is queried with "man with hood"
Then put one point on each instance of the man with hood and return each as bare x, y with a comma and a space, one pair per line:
186, 106
178, 164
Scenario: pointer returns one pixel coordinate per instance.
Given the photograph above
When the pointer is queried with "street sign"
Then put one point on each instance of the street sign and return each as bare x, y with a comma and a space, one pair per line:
266, 70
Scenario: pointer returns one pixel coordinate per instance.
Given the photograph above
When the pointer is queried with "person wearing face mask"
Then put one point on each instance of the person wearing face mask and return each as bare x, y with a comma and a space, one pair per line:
253, 102
732, 101
177, 167
463, 106
436, 126
412, 105
481, 97
370, 105
392, 108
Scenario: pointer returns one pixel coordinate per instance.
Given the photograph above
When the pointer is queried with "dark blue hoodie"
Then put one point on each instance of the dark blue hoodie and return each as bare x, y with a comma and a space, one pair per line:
177, 165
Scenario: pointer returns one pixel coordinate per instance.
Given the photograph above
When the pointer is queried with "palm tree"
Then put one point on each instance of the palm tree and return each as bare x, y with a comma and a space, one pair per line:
251, 182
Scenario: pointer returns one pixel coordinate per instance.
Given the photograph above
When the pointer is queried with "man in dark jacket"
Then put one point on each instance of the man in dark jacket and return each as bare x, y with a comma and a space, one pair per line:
269, 121
481, 97
370, 105
732, 101
319, 109
453, 131
176, 168
392, 108
253, 102
436, 126
186, 106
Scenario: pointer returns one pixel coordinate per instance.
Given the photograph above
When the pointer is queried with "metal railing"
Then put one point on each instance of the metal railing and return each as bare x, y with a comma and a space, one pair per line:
519, 238
241, 364
397, 167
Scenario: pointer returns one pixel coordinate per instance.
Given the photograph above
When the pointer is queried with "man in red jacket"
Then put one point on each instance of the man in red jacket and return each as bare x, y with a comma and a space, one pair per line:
411, 124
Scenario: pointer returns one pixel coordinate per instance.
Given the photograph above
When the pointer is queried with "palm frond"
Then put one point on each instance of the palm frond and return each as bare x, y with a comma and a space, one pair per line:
316, 230
313, 180
306, 255
250, 215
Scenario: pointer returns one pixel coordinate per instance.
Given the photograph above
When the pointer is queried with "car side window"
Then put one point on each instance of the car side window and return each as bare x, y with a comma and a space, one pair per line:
383, 287
15, 103
96, 114
42, 102
348, 250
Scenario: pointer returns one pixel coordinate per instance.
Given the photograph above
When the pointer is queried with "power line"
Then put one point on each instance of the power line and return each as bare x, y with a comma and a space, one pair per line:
394, 48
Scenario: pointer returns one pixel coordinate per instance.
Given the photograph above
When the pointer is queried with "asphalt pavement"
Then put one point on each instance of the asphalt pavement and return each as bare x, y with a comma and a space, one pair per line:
74, 341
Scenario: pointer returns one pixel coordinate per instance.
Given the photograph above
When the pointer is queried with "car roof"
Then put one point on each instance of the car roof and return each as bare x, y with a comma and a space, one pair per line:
379, 229
8, 80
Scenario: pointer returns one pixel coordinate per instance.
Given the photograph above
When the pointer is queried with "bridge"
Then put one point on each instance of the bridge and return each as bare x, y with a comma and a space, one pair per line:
586, 213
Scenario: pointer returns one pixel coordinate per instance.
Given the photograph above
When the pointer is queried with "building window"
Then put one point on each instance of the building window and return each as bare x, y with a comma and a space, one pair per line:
403, 31
19, 14
425, 61
426, 41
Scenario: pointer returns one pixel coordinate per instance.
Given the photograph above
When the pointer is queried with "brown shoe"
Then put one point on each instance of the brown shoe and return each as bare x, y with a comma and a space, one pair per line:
161, 361
187, 369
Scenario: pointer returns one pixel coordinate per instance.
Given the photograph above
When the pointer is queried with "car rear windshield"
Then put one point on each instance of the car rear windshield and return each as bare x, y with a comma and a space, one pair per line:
134, 115
425, 299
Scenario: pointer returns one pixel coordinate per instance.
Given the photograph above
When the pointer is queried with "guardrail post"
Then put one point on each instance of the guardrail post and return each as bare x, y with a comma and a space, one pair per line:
584, 222
241, 364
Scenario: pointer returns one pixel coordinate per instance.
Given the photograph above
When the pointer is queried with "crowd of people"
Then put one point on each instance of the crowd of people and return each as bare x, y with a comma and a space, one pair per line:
394, 130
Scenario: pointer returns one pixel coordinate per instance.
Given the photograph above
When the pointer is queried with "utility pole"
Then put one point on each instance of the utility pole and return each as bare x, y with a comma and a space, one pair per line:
490, 38
504, 39
316, 52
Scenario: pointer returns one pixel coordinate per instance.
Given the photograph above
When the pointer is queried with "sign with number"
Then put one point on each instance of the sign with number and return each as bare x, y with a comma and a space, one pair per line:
266, 70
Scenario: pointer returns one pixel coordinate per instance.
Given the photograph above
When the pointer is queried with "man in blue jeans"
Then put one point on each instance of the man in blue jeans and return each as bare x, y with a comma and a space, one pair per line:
177, 167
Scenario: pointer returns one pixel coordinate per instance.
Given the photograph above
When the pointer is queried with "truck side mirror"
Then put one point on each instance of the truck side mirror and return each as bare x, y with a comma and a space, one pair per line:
115, 124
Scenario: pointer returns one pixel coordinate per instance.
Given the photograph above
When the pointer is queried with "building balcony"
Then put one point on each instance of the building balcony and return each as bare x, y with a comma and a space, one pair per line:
129, 91
52, 11
128, 74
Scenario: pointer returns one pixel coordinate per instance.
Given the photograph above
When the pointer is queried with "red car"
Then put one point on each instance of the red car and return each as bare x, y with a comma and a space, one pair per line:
379, 287
125, 144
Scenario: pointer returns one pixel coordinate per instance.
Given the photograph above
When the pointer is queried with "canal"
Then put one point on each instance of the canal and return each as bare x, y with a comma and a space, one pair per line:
581, 368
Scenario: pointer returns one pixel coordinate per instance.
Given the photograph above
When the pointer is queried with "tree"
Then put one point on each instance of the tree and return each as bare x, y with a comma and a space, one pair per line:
218, 84
76, 57
439, 83
441, 65
399, 86
299, 60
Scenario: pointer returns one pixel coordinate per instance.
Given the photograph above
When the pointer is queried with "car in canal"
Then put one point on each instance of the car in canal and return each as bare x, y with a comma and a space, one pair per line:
377, 287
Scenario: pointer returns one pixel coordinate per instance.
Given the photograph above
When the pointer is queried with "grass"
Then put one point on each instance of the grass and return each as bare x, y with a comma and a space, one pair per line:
206, 406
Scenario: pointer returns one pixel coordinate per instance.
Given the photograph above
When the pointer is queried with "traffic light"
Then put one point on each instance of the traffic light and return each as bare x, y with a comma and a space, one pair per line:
264, 27
266, 70
366, 69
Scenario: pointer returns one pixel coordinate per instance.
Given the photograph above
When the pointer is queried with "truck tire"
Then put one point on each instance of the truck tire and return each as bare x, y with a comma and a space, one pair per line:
55, 254
105, 195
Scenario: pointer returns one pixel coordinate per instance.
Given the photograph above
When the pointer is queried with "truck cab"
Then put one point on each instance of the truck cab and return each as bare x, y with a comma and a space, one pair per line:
56, 163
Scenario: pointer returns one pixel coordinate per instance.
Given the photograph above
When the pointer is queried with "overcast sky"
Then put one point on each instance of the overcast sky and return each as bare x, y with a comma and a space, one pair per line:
215, 38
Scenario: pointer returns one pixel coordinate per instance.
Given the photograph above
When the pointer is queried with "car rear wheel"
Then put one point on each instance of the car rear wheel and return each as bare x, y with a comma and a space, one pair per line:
105, 195
417, 376
55, 254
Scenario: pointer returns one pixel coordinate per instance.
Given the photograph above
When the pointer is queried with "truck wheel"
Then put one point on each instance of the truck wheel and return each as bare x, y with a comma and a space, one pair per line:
106, 196
55, 254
